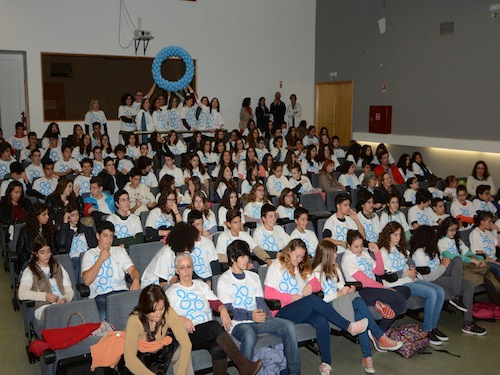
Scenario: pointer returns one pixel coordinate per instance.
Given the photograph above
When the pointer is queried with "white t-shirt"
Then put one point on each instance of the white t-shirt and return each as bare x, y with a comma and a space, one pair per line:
352, 263
208, 222
246, 186
448, 244
371, 226
484, 240
285, 212
226, 238
162, 266
241, 293
62, 165
55, 154
329, 286
111, 276
140, 194
149, 180
350, 180
98, 167
480, 205
222, 217
125, 164
306, 184
125, 228
18, 143
83, 182
422, 217
192, 302
203, 253
309, 238
178, 148
176, 173
5, 167
78, 244
271, 241
196, 172
394, 262
280, 279
124, 110
276, 185
466, 210
44, 186
252, 209
339, 229
398, 217
157, 219
33, 171
410, 195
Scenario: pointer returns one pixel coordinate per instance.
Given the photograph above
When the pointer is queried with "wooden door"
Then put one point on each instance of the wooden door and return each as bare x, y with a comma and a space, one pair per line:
333, 109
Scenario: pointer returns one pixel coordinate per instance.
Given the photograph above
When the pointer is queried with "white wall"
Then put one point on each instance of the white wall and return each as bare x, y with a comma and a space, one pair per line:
243, 48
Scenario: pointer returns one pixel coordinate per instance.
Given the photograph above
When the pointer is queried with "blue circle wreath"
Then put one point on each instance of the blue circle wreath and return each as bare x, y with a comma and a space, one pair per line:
161, 57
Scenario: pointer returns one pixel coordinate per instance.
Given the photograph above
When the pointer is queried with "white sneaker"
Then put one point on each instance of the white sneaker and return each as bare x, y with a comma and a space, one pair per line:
325, 369
355, 328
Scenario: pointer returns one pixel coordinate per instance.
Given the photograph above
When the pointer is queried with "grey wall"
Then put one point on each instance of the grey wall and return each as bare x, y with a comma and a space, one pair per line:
439, 86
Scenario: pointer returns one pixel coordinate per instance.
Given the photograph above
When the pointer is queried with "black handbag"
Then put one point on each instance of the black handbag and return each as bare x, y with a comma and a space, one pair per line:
157, 362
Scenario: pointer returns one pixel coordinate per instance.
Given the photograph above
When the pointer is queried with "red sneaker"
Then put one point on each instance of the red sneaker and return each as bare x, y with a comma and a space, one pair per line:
385, 310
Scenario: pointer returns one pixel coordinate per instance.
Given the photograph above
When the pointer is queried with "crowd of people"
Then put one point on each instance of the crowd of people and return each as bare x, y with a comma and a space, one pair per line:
80, 195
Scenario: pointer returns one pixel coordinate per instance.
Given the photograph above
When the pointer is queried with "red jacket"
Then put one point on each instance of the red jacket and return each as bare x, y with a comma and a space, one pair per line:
398, 178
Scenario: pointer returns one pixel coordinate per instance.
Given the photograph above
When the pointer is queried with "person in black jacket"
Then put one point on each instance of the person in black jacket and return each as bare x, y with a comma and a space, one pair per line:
278, 110
73, 237
37, 225
111, 178
15, 208
59, 199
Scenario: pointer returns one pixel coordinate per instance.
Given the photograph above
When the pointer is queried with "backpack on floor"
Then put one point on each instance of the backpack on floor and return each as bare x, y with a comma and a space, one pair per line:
486, 311
413, 337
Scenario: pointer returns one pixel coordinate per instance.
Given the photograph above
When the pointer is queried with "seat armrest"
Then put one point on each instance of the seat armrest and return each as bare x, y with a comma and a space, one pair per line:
389, 277
424, 270
83, 290
273, 304
48, 357
320, 294
13, 257
356, 284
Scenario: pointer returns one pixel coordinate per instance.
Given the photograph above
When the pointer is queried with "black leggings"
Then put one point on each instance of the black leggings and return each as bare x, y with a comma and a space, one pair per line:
204, 338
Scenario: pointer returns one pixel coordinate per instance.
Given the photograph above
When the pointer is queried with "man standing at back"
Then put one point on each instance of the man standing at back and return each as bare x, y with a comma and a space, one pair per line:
278, 110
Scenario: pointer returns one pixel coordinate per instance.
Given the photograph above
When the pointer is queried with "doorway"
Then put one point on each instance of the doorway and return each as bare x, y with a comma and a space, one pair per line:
333, 109
13, 90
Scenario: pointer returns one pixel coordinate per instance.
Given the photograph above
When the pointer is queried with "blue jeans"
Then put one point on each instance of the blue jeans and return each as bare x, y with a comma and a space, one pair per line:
247, 334
318, 313
494, 268
100, 301
361, 311
434, 298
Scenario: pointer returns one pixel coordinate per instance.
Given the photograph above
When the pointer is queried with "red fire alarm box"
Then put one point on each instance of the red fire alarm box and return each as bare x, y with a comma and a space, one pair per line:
380, 119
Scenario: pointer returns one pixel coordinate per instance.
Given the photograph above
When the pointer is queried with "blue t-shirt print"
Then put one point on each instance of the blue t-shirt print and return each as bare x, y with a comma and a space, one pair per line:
191, 305
242, 298
289, 284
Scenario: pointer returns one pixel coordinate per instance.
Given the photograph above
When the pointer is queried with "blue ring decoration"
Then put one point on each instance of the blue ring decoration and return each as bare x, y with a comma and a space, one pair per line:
161, 57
